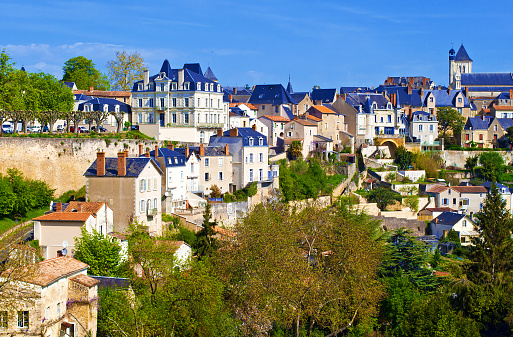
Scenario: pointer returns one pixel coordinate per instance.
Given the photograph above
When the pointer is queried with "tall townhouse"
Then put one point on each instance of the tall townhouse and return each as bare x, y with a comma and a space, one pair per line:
131, 187
179, 104
249, 151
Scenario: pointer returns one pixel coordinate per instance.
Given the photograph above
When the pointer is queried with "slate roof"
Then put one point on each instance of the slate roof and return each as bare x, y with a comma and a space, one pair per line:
501, 187
48, 271
324, 95
289, 87
348, 90
210, 151
299, 96
477, 123
210, 75
448, 218
366, 100
502, 95
487, 89
505, 122
462, 55
69, 84
319, 138
192, 74
171, 158
273, 94
99, 102
422, 116
82, 97
444, 98
487, 79
134, 167
288, 112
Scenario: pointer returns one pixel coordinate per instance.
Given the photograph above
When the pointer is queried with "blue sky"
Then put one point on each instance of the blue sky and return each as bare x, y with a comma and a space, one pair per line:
325, 43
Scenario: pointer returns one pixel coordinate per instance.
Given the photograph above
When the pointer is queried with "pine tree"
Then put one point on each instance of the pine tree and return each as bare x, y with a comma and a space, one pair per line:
206, 243
493, 248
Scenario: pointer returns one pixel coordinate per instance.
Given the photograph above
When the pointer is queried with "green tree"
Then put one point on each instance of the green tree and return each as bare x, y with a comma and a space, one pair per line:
119, 116
296, 149
100, 252
82, 71
98, 117
471, 164
493, 249
449, 118
315, 267
492, 165
125, 70
206, 243
403, 158
383, 197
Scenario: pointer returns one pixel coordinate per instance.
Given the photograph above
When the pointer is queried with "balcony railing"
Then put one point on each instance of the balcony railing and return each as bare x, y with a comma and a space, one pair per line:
151, 212
210, 125
160, 108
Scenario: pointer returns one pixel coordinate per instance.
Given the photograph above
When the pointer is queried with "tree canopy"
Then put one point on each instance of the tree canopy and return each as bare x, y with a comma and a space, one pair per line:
449, 118
492, 165
403, 158
125, 70
82, 71
101, 253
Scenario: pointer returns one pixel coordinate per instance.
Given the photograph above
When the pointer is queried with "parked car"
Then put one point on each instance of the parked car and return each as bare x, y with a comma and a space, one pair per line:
102, 129
83, 129
34, 129
7, 128
60, 128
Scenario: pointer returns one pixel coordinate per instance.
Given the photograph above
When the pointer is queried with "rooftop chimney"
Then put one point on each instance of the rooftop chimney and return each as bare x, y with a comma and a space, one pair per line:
202, 150
234, 132
424, 80
439, 87
171, 146
187, 151
126, 153
146, 78
510, 93
234, 91
121, 164
147, 154
219, 132
157, 151
100, 163
226, 150
140, 149
254, 126
449, 90
58, 206
409, 89
180, 79
230, 98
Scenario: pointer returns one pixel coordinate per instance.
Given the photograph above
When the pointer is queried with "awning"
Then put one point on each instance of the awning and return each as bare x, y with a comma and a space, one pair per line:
195, 201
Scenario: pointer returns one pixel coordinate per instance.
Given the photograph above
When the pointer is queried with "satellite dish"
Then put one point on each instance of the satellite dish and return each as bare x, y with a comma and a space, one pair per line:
64, 252
64, 244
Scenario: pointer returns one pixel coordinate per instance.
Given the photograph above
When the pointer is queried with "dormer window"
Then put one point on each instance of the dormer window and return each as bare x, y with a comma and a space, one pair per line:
150, 86
105, 108
198, 86
211, 86
219, 88
261, 96
139, 87
173, 86
374, 105
251, 141
460, 99
162, 87
206, 86
186, 86
116, 108
260, 141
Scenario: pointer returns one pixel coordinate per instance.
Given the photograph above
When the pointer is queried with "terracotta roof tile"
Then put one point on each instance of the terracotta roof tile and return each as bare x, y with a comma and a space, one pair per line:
85, 280
87, 207
503, 107
277, 118
51, 270
323, 109
102, 93
305, 122
64, 216
437, 189
470, 189
313, 118
249, 105
440, 209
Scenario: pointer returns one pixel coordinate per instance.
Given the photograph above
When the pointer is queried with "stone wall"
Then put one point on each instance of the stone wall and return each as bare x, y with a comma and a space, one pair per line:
61, 162
390, 224
458, 158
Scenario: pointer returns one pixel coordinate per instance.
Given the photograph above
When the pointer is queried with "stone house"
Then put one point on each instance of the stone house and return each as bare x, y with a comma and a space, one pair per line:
272, 100
302, 130
423, 127
332, 125
275, 126
59, 299
467, 199
131, 187
476, 131
65, 224
461, 223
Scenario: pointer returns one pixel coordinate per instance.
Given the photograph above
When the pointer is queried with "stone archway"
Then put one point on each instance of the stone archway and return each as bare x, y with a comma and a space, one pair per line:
392, 147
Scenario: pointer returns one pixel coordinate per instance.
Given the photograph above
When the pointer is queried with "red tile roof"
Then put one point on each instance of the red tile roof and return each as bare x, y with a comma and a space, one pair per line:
437, 189
277, 118
440, 209
470, 189
48, 271
249, 105
87, 207
85, 280
64, 216
323, 109
502, 107
102, 93
304, 122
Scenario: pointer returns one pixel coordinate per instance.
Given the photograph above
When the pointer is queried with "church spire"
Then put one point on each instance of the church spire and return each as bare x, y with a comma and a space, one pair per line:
289, 87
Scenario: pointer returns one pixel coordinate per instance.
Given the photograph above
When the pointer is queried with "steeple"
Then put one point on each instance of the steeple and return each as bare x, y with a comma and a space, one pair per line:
210, 75
289, 87
462, 55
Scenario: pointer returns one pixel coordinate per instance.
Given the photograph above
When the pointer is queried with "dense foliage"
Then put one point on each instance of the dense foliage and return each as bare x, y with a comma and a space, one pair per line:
18, 195
100, 252
83, 72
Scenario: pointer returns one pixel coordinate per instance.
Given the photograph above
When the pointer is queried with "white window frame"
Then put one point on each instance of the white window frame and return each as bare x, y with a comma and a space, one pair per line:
220, 162
142, 185
25, 318
207, 162
260, 157
142, 205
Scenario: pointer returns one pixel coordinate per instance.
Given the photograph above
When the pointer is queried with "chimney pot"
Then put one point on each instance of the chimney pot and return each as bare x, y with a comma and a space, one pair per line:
126, 153
91, 88
254, 126
226, 150
147, 154
234, 91
219, 132
171, 146
100, 163
234, 132
202, 150
121, 164
58, 206
157, 151
140, 149
187, 151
